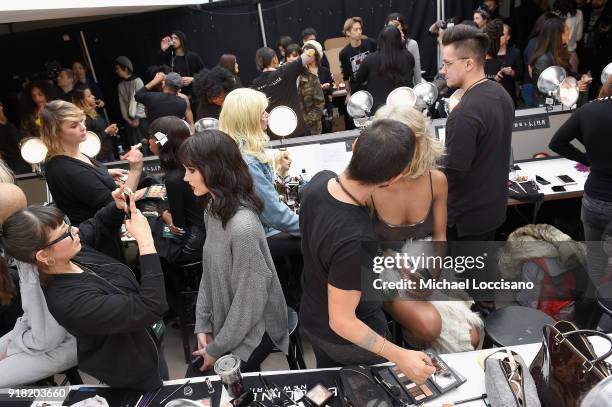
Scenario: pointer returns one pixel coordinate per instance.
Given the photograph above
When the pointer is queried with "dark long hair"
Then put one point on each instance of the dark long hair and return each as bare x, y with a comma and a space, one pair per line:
398, 17
23, 234
565, 7
550, 41
391, 52
176, 131
494, 30
217, 157
28, 107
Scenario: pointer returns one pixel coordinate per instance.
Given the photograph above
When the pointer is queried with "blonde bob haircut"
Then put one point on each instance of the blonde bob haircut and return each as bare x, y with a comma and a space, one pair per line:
51, 118
278, 156
241, 118
427, 150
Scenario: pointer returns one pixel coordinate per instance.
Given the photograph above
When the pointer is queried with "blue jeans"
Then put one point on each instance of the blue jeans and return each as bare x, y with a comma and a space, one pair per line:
595, 216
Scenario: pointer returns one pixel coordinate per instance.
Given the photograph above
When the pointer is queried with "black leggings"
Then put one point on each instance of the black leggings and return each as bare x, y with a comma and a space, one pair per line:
259, 354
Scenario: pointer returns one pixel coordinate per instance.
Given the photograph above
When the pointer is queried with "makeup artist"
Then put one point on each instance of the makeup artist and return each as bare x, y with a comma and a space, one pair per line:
342, 318
97, 299
79, 184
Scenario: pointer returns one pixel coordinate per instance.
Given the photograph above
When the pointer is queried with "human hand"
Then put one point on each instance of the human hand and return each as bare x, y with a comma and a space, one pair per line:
160, 76
119, 197
165, 43
138, 225
203, 341
117, 173
186, 80
112, 130
416, 365
584, 82
326, 86
99, 103
134, 157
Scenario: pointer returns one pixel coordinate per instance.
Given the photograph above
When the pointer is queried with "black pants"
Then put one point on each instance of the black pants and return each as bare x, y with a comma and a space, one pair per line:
462, 246
259, 354
286, 253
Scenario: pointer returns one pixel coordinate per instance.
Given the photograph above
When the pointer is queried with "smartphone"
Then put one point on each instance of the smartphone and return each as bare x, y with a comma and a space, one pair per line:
126, 195
541, 180
558, 188
566, 179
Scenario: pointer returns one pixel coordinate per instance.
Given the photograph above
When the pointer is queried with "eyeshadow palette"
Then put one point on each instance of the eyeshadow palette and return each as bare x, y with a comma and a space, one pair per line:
443, 380
155, 192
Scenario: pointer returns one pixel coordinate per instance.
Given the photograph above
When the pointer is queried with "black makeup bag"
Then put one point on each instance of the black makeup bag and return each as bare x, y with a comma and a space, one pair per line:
361, 389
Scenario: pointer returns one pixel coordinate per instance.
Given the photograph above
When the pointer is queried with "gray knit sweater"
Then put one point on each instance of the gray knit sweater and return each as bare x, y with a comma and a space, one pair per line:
240, 297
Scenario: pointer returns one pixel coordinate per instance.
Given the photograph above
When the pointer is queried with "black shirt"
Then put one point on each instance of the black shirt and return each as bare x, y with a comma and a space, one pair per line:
514, 60
332, 236
381, 85
9, 149
478, 135
590, 125
281, 88
161, 104
80, 190
351, 58
185, 209
207, 109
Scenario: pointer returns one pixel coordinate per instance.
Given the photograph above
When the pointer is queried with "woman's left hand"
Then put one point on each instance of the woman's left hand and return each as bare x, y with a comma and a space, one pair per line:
134, 157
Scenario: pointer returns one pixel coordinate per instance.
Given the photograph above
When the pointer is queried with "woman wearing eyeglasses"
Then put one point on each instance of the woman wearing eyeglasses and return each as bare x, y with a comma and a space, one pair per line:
96, 298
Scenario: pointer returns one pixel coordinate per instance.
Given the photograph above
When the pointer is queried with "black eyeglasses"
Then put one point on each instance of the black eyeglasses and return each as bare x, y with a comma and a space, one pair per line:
67, 233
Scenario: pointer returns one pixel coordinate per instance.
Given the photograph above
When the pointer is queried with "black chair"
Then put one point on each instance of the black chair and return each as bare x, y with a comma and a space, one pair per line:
514, 325
604, 298
189, 276
295, 357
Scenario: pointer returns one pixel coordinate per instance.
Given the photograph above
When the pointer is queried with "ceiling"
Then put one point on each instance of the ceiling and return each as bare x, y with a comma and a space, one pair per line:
36, 10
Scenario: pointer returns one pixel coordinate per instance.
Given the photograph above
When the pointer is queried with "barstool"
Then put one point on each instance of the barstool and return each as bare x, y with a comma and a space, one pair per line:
514, 325
189, 275
295, 356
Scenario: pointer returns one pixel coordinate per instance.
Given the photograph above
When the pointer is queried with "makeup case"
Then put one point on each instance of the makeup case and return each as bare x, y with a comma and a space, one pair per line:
508, 381
360, 388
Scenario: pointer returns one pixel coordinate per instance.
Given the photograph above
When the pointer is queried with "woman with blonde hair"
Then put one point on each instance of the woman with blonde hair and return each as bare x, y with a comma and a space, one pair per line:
245, 119
80, 185
414, 208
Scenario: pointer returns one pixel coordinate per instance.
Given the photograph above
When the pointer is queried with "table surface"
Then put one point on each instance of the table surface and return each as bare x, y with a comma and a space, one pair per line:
549, 169
468, 364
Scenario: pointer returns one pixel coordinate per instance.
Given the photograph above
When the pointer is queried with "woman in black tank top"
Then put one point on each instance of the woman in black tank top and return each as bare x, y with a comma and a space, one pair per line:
414, 208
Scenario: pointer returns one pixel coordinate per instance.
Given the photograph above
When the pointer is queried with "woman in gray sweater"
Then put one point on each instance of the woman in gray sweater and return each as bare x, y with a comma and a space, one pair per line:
241, 308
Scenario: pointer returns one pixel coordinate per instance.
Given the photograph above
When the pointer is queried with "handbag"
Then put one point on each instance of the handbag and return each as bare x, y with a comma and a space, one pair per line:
360, 388
566, 366
508, 381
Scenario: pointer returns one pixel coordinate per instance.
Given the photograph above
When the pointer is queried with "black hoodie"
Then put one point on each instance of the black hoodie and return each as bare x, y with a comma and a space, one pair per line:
108, 312
187, 65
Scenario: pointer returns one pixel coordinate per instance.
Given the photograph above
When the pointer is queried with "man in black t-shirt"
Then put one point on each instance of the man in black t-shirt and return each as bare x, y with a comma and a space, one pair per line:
168, 102
478, 135
343, 325
280, 84
355, 52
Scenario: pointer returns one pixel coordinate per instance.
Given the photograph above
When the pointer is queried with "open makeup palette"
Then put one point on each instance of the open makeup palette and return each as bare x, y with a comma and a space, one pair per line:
443, 380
